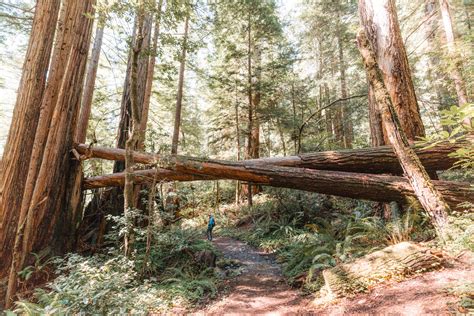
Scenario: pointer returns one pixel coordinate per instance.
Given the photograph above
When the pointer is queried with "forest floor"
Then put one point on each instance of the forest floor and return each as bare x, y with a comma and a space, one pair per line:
261, 289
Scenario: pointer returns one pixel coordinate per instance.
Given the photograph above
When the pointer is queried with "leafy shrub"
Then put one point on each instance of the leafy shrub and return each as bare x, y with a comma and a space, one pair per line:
113, 284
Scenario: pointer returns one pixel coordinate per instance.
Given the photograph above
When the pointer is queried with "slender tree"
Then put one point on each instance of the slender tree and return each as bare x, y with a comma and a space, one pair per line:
453, 54
179, 96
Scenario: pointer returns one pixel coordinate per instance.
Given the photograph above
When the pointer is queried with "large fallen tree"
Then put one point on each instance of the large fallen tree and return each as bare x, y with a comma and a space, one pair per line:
383, 188
368, 160
396, 261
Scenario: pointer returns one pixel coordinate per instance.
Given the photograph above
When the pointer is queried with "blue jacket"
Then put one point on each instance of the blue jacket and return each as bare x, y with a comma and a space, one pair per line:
212, 223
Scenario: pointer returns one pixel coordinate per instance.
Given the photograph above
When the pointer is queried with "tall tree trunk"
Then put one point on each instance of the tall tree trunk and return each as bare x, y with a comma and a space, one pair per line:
19, 144
429, 197
134, 134
125, 110
435, 74
41, 219
380, 21
149, 76
111, 201
248, 188
455, 69
342, 111
179, 97
237, 134
86, 103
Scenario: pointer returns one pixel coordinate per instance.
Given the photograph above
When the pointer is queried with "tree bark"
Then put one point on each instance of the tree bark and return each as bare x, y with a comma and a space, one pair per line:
19, 144
179, 97
133, 140
429, 197
395, 261
383, 188
41, 220
455, 69
149, 77
346, 128
368, 160
88, 93
380, 21
125, 110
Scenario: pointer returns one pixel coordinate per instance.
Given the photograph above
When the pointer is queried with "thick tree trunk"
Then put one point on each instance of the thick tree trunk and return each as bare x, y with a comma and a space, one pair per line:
88, 93
179, 97
397, 261
429, 197
380, 21
368, 160
41, 220
373, 187
455, 69
19, 145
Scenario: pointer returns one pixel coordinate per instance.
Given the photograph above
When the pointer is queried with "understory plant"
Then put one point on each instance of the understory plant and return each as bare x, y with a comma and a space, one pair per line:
110, 283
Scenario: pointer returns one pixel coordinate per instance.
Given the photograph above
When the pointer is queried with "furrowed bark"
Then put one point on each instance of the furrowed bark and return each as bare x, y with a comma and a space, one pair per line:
19, 144
88, 93
429, 197
393, 262
42, 215
383, 188
380, 21
369, 160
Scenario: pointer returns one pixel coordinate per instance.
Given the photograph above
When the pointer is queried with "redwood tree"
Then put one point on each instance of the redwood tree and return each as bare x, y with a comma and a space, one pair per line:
19, 145
42, 216
380, 22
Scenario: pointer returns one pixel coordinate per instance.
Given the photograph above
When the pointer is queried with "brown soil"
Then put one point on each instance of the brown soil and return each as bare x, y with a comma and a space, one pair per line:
261, 289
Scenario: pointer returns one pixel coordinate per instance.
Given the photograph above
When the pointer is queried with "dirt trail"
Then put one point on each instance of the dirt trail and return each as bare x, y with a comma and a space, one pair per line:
260, 289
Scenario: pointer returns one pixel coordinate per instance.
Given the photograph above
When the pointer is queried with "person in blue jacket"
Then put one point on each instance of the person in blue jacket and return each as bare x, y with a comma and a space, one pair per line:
210, 226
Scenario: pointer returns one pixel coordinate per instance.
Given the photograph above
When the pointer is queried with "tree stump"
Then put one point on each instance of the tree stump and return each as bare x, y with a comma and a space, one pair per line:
393, 262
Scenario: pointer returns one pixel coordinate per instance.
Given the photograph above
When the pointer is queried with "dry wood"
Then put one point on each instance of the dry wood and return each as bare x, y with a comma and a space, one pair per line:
381, 188
368, 160
397, 261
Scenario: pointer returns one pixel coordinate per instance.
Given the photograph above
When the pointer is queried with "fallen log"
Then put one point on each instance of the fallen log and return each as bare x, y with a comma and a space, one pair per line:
383, 188
141, 176
397, 261
368, 160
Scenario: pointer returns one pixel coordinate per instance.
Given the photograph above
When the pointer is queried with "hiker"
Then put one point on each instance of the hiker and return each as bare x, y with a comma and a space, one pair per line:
210, 226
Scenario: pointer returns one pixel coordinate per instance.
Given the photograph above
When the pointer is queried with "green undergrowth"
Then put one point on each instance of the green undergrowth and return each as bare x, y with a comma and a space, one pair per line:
310, 233
110, 283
